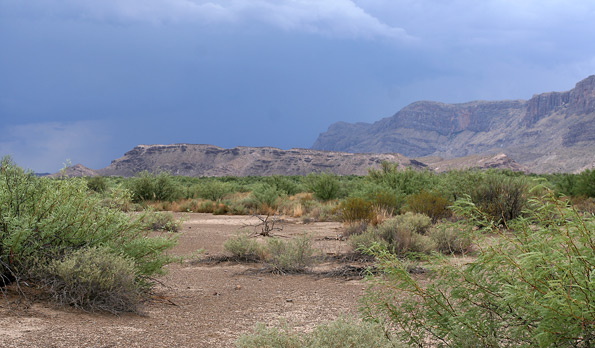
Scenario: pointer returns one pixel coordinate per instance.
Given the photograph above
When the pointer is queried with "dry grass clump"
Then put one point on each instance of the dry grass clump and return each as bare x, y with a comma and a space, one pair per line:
335, 334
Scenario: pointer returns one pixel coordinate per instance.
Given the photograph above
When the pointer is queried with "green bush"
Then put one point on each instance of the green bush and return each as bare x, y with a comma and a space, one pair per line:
364, 241
355, 209
406, 233
162, 221
501, 198
291, 256
265, 196
531, 287
212, 190
336, 334
431, 204
93, 279
324, 186
97, 184
244, 248
452, 238
154, 187
42, 220
586, 183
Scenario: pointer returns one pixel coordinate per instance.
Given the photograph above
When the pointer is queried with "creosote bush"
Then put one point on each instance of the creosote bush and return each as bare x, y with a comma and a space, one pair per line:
431, 204
356, 210
501, 198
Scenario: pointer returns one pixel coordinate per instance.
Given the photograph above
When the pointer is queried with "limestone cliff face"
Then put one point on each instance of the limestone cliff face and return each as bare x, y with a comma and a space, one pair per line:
550, 132
209, 160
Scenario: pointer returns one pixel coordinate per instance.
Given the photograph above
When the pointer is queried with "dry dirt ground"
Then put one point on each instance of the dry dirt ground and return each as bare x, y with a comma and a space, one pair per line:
200, 304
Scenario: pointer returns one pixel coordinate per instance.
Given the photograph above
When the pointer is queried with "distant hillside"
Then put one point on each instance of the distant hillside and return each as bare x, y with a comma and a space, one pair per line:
209, 160
551, 132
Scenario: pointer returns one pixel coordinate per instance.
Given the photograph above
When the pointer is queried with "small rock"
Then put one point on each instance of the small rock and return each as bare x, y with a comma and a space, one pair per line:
288, 300
238, 287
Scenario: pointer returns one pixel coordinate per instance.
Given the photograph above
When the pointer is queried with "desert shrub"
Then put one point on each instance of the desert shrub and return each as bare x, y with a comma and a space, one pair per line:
42, 220
406, 233
363, 241
284, 185
162, 221
324, 186
119, 198
336, 334
451, 238
93, 279
584, 204
431, 204
529, 288
291, 256
212, 190
355, 209
97, 184
585, 185
501, 198
407, 181
265, 196
151, 187
356, 228
244, 248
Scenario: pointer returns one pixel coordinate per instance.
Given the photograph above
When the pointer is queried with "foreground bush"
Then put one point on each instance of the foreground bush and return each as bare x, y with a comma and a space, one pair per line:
43, 221
93, 279
336, 334
532, 287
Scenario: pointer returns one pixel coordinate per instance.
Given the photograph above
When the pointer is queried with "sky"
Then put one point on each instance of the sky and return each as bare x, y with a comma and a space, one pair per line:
84, 81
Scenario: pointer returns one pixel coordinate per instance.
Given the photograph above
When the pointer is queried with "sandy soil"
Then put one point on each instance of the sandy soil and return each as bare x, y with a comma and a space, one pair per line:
199, 304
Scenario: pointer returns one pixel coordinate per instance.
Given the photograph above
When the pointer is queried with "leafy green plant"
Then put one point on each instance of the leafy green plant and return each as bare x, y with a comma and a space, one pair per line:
42, 220
530, 287
265, 196
324, 186
212, 190
154, 187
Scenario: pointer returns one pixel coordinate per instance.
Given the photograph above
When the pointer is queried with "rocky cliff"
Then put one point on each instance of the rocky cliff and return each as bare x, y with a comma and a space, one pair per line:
209, 160
551, 132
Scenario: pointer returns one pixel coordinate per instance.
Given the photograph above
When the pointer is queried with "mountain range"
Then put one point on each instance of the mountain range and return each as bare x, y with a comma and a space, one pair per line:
551, 132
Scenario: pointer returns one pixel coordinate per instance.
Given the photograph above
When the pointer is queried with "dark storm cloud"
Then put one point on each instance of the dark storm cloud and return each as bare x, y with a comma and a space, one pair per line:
263, 72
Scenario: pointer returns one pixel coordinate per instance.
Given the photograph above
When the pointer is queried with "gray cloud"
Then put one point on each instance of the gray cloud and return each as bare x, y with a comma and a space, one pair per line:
46, 147
334, 18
